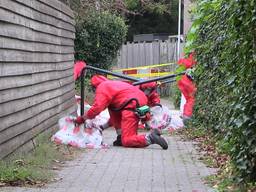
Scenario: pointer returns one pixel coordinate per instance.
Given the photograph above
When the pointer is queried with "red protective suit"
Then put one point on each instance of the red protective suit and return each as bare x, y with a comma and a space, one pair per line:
78, 67
150, 91
188, 89
112, 95
187, 62
186, 85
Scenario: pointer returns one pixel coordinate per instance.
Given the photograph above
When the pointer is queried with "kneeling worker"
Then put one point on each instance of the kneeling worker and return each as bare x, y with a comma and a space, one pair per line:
122, 101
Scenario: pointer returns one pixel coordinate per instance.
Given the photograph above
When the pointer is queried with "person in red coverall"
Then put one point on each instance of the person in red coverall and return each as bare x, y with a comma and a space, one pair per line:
150, 90
120, 99
187, 86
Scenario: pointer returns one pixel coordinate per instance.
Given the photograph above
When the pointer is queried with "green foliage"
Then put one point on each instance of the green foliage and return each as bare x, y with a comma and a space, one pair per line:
175, 96
132, 5
223, 36
33, 167
98, 38
156, 7
150, 16
153, 17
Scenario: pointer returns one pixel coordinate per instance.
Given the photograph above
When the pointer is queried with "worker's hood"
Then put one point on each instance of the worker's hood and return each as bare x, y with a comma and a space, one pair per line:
150, 85
97, 79
78, 67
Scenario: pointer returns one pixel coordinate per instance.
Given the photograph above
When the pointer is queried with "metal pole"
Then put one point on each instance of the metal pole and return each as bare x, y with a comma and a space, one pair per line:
82, 92
137, 82
179, 24
157, 79
168, 81
111, 73
102, 71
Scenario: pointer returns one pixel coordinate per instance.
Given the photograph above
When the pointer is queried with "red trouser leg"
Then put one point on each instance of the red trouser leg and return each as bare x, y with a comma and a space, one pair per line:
115, 119
188, 107
129, 126
188, 89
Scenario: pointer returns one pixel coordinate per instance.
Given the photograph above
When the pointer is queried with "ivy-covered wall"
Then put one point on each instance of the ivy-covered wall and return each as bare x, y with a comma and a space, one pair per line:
223, 37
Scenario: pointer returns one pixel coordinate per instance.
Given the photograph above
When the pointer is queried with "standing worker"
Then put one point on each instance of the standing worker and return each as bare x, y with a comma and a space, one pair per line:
122, 100
186, 85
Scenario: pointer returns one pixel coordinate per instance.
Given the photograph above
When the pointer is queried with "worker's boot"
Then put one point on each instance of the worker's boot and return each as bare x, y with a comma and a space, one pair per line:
155, 138
118, 141
185, 119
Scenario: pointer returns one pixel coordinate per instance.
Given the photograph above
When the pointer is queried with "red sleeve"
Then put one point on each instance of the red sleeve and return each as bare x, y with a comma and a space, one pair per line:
101, 102
154, 99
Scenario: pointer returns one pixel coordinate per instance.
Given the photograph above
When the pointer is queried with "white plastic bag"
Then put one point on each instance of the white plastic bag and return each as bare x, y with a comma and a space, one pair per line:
182, 103
77, 136
160, 117
164, 119
80, 136
98, 121
176, 120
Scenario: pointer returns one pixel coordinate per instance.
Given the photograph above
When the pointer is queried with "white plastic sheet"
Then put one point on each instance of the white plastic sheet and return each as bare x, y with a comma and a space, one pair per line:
87, 135
77, 136
165, 119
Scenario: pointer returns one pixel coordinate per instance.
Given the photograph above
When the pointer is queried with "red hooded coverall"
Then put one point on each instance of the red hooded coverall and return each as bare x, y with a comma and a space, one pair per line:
153, 96
113, 94
187, 87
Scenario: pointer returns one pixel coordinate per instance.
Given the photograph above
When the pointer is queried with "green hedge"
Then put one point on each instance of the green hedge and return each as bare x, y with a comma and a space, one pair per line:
99, 37
223, 36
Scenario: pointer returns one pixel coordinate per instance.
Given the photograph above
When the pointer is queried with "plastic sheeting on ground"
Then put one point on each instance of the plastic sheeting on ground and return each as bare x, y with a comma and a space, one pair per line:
87, 135
165, 119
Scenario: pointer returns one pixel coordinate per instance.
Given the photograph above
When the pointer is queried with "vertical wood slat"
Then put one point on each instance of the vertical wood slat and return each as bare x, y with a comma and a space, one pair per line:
36, 68
147, 53
150, 53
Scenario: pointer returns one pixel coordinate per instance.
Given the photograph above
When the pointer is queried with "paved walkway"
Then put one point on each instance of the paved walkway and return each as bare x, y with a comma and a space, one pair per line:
121, 169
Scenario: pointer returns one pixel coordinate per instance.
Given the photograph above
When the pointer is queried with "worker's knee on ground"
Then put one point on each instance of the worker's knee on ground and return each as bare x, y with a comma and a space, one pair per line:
126, 142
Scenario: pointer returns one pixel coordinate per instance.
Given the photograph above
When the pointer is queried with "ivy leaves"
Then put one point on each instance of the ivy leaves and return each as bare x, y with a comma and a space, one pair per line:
224, 39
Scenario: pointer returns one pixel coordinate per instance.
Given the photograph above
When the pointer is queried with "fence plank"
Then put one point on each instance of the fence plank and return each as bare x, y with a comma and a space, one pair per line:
59, 6
123, 53
31, 79
29, 123
136, 55
147, 53
22, 33
17, 69
47, 10
10, 17
163, 52
31, 101
130, 54
24, 56
26, 11
14, 44
9, 95
156, 50
141, 54
36, 69
35, 109
30, 143
47, 120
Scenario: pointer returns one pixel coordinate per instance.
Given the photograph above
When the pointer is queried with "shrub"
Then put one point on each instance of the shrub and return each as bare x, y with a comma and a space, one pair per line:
98, 38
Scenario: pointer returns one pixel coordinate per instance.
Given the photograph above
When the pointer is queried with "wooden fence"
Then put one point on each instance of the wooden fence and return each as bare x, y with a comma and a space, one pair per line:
147, 53
150, 53
36, 70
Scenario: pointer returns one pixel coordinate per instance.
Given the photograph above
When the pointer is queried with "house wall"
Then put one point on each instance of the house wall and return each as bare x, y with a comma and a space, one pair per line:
36, 70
